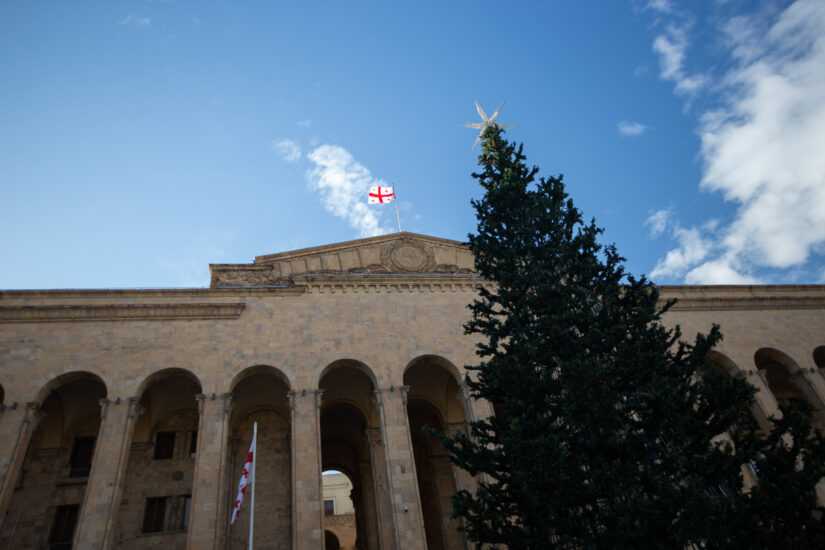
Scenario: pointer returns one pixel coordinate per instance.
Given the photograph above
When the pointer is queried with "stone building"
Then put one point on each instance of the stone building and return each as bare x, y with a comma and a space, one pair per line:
127, 414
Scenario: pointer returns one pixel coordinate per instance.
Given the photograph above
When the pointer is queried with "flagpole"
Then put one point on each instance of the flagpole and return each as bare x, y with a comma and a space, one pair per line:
252, 496
395, 200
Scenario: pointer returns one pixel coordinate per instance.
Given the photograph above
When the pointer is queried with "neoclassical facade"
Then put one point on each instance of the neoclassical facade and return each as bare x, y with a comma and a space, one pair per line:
127, 414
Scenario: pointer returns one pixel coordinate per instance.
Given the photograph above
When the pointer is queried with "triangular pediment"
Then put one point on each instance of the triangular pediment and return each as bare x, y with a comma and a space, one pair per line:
398, 254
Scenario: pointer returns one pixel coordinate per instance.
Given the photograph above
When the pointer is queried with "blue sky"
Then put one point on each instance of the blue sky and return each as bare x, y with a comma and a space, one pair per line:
141, 141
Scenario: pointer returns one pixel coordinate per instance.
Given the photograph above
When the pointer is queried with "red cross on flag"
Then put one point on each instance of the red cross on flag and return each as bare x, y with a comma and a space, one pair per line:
247, 470
380, 195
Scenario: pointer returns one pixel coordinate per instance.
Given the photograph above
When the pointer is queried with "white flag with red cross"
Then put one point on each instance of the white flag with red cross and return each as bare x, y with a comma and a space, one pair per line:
247, 470
380, 195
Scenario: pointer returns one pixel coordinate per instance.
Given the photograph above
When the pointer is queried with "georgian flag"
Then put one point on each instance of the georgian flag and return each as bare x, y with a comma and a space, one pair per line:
380, 195
247, 469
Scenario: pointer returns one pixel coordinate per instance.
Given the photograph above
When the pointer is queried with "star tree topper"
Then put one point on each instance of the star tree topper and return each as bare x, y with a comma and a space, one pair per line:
486, 122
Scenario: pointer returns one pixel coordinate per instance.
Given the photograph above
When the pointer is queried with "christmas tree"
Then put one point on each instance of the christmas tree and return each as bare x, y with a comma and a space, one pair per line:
609, 431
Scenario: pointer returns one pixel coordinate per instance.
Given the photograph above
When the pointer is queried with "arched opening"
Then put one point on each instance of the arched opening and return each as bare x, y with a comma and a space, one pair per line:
348, 429
723, 364
433, 404
330, 540
786, 382
45, 506
157, 490
819, 357
339, 509
260, 396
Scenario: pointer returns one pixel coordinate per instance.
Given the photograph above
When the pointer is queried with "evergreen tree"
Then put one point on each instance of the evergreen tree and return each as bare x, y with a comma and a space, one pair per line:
605, 433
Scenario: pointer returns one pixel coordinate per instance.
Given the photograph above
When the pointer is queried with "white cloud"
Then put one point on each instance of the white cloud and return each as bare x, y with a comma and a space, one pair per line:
135, 21
658, 221
762, 149
343, 184
641, 70
288, 149
305, 123
671, 47
631, 128
693, 248
718, 272
664, 6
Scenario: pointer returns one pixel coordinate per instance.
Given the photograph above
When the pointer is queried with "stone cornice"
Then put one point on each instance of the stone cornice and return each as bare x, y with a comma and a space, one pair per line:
736, 297
119, 312
148, 293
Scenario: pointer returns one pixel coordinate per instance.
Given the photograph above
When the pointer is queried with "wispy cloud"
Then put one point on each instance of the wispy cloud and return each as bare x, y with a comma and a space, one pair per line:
631, 128
288, 149
671, 46
664, 6
305, 123
343, 184
658, 221
135, 21
762, 150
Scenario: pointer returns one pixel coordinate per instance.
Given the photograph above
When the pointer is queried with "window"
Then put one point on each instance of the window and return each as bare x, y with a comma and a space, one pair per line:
80, 461
167, 514
329, 507
179, 518
154, 514
193, 443
65, 518
164, 445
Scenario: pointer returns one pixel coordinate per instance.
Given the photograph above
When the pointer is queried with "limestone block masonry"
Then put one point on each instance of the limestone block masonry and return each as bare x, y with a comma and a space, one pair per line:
125, 415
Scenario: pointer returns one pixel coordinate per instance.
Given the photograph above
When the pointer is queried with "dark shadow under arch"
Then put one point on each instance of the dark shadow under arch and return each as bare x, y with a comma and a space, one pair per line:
259, 369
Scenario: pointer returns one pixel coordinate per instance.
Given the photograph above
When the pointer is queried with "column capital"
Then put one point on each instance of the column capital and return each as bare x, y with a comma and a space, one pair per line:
200, 398
104, 407
135, 408
293, 396
380, 393
228, 403
34, 413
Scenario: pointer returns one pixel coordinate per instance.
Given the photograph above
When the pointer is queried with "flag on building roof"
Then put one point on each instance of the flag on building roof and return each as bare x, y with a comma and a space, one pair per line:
380, 195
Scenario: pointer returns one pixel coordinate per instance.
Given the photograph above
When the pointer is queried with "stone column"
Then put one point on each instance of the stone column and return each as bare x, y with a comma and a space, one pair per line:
383, 517
405, 502
444, 482
15, 431
307, 512
370, 529
101, 500
463, 479
207, 520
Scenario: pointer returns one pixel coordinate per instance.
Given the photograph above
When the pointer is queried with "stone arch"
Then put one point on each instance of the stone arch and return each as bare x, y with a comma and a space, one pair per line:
434, 401
62, 380
170, 372
351, 381
819, 357
436, 379
160, 469
331, 541
758, 409
349, 435
66, 419
354, 363
786, 380
260, 397
258, 369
